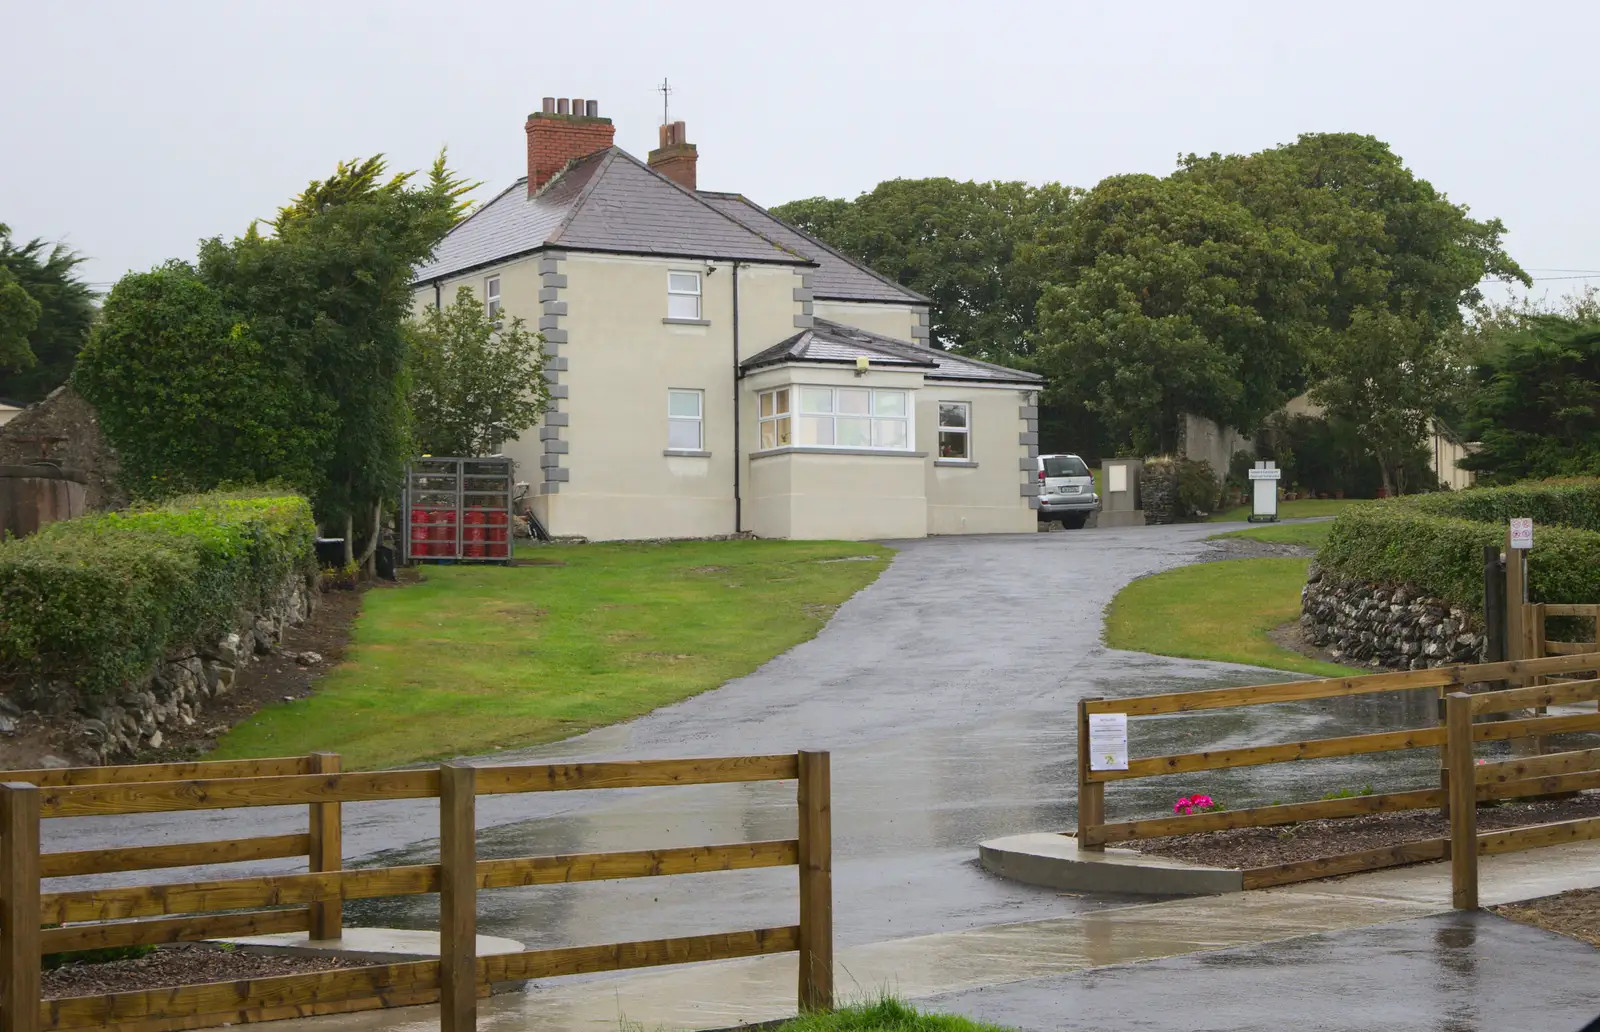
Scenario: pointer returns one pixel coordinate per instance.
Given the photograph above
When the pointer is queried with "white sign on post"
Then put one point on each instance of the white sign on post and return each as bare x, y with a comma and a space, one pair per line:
1264, 492
1108, 741
1522, 532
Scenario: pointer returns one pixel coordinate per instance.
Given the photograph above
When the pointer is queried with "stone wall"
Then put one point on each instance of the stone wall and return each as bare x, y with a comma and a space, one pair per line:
64, 429
1158, 492
1362, 624
118, 728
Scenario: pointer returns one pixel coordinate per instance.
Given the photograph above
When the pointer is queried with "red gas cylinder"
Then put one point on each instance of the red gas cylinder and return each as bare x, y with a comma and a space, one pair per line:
472, 533
444, 533
499, 544
419, 533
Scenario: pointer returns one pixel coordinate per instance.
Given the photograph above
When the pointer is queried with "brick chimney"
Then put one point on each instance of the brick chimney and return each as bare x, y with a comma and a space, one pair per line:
564, 131
676, 156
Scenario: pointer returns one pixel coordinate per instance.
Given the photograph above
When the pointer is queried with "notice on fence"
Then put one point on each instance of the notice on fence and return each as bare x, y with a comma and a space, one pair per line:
1108, 741
1522, 532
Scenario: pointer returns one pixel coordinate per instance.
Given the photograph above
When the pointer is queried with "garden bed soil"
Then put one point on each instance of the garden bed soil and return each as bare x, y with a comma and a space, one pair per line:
1308, 840
1575, 913
183, 964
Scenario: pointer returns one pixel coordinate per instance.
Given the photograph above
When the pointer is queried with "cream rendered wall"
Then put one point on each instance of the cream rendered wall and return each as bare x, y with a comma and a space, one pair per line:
985, 498
831, 495
890, 320
622, 360
519, 298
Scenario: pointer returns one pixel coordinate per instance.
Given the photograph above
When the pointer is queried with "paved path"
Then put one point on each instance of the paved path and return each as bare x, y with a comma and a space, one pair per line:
1386, 939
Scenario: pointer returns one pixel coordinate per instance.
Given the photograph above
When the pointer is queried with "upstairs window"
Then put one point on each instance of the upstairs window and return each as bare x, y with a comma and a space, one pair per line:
491, 298
685, 420
955, 430
683, 295
774, 414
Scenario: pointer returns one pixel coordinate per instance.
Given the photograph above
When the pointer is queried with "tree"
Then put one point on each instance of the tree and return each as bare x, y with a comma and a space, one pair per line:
190, 397
1169, 299
19, 315
964, 245
330, 291
1534, 405
474, 382
66, 311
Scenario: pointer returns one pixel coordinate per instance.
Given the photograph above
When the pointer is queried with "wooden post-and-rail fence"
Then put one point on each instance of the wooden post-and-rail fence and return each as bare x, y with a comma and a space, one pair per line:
1464, 782
34, 923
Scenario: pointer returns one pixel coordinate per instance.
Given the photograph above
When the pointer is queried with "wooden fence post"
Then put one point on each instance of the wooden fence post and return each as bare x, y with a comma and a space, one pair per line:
19, 907
1091, 794
816, 883
1463, 803
458, 899
327, 852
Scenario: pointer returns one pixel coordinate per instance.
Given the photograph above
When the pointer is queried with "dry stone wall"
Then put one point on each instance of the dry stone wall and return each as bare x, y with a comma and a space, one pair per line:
1365, 624
120, 727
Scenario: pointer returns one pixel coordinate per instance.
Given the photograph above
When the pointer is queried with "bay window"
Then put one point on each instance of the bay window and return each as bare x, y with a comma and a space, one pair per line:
836, 417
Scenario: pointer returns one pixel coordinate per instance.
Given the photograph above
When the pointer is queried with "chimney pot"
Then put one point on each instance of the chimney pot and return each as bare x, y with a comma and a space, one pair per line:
554, 141
676, 157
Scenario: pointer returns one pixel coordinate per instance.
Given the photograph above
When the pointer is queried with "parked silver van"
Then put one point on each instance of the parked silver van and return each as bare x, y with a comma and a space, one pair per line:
1066, 490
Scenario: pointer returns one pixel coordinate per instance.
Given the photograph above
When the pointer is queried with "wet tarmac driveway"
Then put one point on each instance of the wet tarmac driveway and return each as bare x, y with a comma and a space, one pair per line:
946, 693
1451, 973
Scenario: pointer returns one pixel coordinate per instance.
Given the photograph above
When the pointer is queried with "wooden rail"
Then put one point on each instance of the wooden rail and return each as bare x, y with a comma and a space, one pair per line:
312, 901
1463, 782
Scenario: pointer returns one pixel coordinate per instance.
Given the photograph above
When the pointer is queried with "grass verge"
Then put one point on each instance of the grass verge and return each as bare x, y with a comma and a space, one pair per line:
1219, 611
1300, 508
884, 1015
1309, 535
478, 658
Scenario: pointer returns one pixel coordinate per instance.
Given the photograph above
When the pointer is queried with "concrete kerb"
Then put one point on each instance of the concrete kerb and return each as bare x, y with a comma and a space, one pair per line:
1054, 862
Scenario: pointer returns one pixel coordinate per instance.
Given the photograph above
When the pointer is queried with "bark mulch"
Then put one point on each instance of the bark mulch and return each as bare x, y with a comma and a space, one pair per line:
1575, 913
1264, 847
184, 964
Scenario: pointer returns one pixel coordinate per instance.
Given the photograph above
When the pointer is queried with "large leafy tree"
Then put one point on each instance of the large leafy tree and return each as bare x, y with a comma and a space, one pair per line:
1405, 262
190, 396
312, 315
1169, 298
475, 382
1534, 404
329, 291
46, 312
966, 246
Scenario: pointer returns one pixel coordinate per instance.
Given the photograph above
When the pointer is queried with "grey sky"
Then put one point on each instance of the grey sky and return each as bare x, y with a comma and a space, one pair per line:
131, 130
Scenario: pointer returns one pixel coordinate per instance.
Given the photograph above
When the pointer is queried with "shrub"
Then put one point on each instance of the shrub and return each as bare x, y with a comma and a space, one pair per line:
1197, 487
1434, 543
98, 600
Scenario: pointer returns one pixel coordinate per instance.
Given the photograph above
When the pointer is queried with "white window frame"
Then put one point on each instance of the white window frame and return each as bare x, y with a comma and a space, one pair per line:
789, 435
776, 426
491, 298
672, 292
698, 421
965, 430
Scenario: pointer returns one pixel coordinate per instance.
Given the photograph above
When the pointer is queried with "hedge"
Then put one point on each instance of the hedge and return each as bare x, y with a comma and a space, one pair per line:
1435, 542
96, 601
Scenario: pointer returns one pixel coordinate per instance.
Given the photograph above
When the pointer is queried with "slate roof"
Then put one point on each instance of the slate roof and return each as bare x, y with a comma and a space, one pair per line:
828, 341
611, 202
836, 277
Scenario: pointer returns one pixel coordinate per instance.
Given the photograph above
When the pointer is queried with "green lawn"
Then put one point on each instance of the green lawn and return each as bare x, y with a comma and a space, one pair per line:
1311, 535
1301, 508
484, 657
884, 1015
1219, 611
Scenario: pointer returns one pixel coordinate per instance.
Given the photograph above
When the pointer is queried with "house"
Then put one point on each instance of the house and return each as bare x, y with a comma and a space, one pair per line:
716, 370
